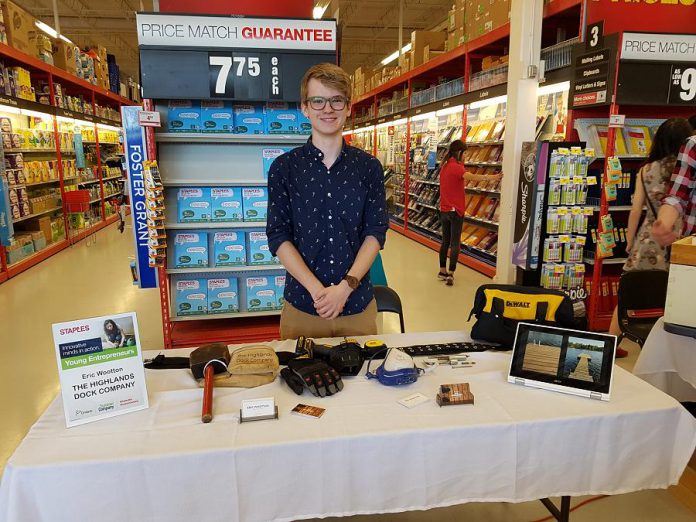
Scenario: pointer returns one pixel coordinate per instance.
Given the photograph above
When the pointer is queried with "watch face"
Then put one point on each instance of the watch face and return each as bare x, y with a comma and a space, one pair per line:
352, 281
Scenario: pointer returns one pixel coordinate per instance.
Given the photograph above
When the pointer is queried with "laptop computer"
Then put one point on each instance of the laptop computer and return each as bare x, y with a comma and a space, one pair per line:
563, 360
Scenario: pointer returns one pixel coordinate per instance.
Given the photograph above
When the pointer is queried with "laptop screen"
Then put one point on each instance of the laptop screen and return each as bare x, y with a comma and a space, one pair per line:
577, 362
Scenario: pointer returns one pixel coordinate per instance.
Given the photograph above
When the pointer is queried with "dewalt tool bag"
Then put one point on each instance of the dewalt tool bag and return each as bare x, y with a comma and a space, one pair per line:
498, 309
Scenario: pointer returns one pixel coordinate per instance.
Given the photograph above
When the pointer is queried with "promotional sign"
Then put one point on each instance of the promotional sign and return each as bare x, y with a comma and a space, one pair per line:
134, 144
100, 367
6, 230
642, 15
657, 69
593, 83
242, 59
79, 151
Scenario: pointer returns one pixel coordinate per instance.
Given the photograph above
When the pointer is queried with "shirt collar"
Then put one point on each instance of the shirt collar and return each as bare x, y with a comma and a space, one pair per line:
313, 150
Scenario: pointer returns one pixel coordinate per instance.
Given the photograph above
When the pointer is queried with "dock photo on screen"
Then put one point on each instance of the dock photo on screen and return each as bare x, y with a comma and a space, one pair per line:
542, 353
583, 360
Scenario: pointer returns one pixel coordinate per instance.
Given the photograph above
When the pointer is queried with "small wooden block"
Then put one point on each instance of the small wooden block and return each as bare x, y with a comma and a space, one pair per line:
451, 394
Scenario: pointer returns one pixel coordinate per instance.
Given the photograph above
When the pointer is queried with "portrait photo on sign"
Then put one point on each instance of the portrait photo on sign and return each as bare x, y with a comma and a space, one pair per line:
118, 332
583, 359
542, 352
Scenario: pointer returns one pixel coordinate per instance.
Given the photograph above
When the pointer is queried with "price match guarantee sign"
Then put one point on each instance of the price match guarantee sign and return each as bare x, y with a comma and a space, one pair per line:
101, 368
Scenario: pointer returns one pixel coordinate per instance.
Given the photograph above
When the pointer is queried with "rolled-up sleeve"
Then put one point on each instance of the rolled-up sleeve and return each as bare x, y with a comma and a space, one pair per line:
279, 224
375, 219
683, 180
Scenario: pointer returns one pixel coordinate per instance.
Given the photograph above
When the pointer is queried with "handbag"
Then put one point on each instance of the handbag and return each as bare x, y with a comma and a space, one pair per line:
499, 308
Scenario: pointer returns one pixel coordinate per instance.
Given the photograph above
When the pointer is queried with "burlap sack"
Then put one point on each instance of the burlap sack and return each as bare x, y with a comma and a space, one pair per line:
250, 366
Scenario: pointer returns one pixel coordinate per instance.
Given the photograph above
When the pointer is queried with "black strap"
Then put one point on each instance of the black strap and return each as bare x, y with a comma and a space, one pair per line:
498, 306
541, 309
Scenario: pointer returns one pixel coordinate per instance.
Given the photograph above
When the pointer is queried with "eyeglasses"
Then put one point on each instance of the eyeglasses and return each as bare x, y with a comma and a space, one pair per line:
338, 103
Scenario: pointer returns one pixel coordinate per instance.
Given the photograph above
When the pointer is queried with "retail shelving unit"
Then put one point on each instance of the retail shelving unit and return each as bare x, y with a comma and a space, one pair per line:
45, 146
458, 85
264, 71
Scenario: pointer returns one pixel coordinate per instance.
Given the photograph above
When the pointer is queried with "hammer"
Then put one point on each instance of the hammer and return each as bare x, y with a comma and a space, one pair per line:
205, 362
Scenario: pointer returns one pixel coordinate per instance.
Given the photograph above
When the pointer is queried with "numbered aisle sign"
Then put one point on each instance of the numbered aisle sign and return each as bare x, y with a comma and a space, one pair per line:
242, 59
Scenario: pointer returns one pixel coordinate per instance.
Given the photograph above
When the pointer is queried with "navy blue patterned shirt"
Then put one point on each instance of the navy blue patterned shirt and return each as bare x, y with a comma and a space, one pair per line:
326, 213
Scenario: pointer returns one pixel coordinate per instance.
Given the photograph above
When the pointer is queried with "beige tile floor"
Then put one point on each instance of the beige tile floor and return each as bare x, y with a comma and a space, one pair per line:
86, 281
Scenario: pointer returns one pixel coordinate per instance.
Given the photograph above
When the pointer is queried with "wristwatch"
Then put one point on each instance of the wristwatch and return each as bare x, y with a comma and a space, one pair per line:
353, 282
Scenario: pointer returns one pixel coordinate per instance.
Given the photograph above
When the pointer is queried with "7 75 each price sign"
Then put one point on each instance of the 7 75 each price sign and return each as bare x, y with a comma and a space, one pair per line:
682, 85
245, 75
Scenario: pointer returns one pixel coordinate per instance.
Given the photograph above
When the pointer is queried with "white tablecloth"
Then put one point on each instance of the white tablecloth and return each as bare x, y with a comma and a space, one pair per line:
668, 362
367, 454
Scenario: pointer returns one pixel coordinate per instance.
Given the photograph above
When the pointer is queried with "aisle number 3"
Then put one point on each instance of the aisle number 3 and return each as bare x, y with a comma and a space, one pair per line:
240, 65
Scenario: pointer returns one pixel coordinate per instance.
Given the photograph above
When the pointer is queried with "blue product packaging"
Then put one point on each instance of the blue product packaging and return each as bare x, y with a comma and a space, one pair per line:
269, 155
191, 250
281, 118
248, 119
223, 295
216, 116
226, 204
303, 122
229, 249
255, 203
260, 294
191, 297
193, 205
279, 291
184, 116
258, 252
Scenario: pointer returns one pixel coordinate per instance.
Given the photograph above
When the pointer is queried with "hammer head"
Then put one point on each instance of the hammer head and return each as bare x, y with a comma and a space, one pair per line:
217, 352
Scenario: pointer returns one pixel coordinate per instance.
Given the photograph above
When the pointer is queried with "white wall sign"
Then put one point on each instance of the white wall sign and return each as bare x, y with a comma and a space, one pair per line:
226, 32
659, 47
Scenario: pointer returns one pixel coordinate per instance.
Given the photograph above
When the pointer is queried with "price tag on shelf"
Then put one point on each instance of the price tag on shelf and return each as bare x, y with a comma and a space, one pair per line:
578, 179
591, 180
576, 211
558, 269
617, 120
149, 119
562, 211
564, 239
566, 181
581, 240
588, 211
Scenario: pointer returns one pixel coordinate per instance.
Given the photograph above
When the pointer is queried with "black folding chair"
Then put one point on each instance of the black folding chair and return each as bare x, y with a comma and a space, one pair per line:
389, 301
642, 295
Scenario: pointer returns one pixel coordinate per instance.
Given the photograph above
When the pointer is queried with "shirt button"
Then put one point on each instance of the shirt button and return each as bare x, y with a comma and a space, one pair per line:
330, 216
331, 262
329, 194
331, 239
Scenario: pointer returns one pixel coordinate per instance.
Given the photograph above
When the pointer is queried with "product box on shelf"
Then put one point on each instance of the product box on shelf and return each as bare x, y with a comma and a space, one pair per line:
190, 250
20, 25
248, 119
269, 155
184, 116
193, 205
260, 294
42, 224
226, 204
223, 295
281, 118
258, 252
255, 203
191, 296
279, 291
216, 116
303, 123
229, 249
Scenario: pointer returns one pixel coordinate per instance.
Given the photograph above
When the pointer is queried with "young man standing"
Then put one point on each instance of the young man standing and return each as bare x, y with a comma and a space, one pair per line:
327, 218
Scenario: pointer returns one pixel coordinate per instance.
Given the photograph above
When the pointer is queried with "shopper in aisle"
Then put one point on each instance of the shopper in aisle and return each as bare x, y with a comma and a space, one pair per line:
327, 218
644, 252
452, 204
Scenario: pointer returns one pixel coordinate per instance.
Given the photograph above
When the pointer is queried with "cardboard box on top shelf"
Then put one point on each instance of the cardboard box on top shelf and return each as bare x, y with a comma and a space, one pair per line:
429, 55
20, 26
419, 39
64, 56
460, 37
483, 16
459, 4
459, 18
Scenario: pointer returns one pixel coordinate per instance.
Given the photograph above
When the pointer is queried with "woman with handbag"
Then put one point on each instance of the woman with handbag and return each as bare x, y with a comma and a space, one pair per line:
644, 253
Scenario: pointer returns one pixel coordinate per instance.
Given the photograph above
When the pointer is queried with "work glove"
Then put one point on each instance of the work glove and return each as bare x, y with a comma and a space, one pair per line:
317, 376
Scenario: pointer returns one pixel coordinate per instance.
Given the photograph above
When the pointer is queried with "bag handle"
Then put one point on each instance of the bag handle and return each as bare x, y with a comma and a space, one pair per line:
541, 310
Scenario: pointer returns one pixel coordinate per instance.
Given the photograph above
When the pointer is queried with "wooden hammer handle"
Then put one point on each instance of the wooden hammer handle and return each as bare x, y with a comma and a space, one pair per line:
207, 414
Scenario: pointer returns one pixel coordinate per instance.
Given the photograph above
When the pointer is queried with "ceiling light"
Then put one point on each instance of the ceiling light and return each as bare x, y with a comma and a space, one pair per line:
66, 39
46, 29
393, 56
318, 12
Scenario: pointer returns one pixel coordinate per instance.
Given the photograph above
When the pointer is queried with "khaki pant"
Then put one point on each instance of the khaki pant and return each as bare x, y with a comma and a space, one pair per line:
294, 323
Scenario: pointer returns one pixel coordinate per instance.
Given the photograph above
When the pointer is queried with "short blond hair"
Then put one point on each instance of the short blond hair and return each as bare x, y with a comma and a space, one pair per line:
328, 74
